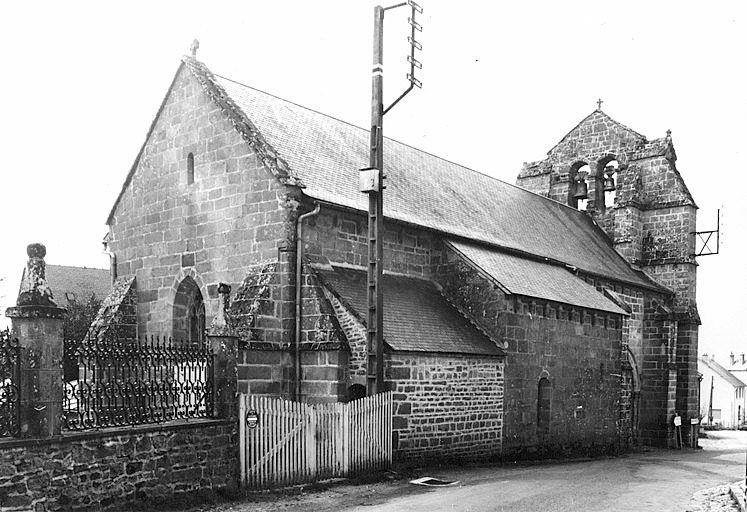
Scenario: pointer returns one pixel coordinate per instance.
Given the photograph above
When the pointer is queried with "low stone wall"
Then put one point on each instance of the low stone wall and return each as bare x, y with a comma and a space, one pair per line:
95, 470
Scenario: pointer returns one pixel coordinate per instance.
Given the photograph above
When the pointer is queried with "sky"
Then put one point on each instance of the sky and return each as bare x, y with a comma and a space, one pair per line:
503, 82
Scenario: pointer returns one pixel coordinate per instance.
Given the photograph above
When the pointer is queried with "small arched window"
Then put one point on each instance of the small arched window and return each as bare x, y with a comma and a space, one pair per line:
544, 400
190, 169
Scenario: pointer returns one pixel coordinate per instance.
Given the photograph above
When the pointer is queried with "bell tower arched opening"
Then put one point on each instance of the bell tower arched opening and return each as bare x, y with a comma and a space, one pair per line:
606, 182
578, 191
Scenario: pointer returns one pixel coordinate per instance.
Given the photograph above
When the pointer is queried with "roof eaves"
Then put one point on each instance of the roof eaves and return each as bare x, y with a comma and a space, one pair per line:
249, 132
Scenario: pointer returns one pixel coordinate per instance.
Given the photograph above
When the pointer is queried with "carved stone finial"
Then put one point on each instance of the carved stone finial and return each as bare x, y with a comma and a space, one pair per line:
34, 291
194, 47
669, 135
36, 251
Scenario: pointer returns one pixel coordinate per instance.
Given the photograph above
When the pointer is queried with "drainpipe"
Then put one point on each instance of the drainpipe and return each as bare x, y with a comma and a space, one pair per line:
112, 262
299, 277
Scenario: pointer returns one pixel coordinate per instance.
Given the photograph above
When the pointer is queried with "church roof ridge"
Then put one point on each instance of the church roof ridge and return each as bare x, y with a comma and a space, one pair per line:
322, 155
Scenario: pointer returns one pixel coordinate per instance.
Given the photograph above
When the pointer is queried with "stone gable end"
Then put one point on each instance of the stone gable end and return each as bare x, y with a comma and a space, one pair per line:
223, 214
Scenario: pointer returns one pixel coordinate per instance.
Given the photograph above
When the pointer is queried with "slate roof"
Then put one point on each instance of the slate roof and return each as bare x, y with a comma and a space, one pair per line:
722, 372
325, 154
81, 282
417, 317
532, 278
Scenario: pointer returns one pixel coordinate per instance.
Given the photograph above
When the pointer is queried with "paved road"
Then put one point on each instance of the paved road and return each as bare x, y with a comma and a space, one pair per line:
655, 480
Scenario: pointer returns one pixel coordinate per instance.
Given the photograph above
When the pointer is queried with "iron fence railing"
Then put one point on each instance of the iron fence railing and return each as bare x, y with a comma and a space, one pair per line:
111, 382
9, 379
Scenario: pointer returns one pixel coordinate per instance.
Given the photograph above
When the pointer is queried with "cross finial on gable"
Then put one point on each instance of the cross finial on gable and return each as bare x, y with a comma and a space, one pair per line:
193, 47
599, 104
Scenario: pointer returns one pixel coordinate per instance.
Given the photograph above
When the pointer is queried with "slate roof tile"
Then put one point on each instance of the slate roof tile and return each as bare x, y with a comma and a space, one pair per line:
77, 283
417, 317
325, 154
532, 278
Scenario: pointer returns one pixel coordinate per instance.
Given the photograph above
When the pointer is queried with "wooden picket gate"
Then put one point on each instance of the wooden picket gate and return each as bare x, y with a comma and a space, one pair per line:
286, 443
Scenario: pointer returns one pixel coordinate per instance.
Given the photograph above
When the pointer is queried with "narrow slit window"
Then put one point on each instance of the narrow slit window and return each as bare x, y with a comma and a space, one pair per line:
190, 169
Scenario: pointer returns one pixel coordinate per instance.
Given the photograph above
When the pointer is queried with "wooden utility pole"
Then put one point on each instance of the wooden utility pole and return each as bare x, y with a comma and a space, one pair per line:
372, 182
375, 316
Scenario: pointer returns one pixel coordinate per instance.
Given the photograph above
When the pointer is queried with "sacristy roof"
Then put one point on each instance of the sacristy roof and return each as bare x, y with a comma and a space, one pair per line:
417, 316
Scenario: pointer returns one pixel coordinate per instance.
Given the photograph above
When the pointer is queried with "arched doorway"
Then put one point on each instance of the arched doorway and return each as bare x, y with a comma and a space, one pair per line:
189, 314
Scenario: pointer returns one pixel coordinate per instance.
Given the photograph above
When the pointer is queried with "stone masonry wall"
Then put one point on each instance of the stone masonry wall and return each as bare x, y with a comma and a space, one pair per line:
269, 372
579, 351
165, 228
263, 316
446, 406
355, 332
109, 469
651, 338
341, 237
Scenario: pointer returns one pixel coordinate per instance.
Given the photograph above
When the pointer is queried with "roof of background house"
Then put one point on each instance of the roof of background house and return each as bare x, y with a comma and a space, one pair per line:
77, 283
721, 371
323, 155
740, 364
417, 317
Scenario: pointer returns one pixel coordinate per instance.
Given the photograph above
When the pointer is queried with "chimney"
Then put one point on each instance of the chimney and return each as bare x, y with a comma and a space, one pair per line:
731, 359
742, 357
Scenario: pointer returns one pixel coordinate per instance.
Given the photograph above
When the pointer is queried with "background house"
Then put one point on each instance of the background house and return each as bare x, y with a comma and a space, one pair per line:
722, 395
77, 284
738, 366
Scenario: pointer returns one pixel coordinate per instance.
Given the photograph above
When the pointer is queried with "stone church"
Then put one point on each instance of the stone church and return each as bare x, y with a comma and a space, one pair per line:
556, 316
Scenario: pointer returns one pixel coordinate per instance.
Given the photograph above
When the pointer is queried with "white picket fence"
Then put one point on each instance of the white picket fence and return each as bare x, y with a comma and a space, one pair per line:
293, 442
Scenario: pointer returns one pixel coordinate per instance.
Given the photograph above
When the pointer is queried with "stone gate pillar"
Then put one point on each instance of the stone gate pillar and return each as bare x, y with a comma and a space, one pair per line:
224, 346
37, 324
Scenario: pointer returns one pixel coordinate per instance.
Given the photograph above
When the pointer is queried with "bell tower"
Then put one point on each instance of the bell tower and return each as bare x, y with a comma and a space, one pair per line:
631, 188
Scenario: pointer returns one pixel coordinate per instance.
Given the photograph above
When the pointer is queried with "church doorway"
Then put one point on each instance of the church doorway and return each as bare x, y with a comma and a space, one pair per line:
189, 314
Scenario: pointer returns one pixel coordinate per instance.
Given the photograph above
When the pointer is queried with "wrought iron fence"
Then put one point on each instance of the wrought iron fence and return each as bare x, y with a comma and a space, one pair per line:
9, 379
112, 382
